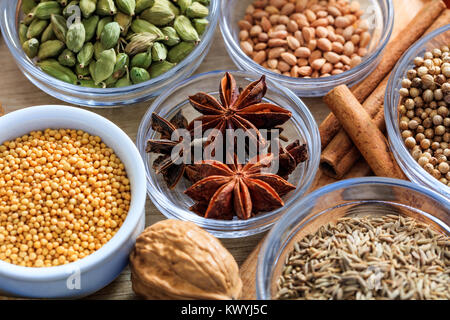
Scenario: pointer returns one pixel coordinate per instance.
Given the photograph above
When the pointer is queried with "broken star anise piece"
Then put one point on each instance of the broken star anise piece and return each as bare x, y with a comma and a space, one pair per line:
164, 164
290, 157
223, 191
238, 110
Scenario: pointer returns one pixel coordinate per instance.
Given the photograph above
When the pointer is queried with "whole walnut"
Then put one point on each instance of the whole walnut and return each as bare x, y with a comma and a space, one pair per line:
177, 260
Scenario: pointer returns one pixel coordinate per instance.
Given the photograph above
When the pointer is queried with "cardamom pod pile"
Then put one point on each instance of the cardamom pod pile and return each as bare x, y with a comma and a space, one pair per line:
110, 43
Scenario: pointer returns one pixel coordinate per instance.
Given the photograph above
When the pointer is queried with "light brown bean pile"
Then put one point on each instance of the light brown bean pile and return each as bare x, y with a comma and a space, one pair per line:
305, 38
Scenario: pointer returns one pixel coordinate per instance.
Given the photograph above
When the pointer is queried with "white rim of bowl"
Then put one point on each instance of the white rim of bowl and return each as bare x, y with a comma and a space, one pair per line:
279, 227
36, 72
133, 217
401, 153
262, 221
330, 80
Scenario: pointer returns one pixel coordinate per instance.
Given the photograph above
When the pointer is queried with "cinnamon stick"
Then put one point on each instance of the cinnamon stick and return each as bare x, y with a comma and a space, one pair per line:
364, 133
340, 154
392, 53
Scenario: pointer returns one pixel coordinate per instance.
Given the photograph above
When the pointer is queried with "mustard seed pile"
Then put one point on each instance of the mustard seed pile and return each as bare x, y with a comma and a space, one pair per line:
63, 195
424, 112
376, 257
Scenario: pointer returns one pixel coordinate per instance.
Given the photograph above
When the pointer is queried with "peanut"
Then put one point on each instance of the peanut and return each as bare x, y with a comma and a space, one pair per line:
305, 38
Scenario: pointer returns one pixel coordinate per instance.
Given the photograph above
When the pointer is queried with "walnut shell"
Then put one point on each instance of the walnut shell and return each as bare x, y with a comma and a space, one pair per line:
177, 260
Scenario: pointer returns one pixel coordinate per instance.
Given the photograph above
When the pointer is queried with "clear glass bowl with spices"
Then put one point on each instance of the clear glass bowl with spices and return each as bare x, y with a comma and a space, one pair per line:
10, 16
399, 133
361, 199
379, 17
175, 204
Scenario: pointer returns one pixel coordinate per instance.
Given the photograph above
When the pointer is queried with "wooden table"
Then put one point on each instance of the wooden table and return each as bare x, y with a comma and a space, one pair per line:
17, 92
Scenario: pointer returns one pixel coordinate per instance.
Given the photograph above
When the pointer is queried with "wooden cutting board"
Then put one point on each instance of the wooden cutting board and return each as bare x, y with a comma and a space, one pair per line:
405, 10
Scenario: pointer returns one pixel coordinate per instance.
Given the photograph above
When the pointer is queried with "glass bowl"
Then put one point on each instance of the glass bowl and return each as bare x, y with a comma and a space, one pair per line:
361, 196
95, 97
411, 167
380, 13
175, 204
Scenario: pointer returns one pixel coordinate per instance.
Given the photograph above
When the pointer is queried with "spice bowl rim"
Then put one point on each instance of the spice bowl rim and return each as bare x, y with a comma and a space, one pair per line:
135, 214
10, 35
313, 85
410, 167
281, 234
233, 228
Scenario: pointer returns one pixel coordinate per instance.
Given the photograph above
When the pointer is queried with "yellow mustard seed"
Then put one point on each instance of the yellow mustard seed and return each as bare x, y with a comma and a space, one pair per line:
63, 195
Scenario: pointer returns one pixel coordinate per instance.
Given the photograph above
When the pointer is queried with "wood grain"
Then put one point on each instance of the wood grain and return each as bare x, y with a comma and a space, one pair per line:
16, 92
405, 10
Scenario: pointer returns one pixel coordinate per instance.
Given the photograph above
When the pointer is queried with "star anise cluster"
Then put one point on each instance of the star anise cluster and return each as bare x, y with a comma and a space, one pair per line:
225, 190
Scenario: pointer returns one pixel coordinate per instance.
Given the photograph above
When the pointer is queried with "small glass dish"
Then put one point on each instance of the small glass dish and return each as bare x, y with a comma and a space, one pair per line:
175, 204
94, 97
411, 167
379, 12
360, 196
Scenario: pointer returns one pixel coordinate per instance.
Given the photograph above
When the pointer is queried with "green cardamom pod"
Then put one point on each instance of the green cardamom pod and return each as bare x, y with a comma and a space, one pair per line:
90, 26
88, 7
106, 8
172, 36
123, 82
59, 25
45, 9
200, 25
204, 2
30, 17
110, 35
50, 49
142, 60
140, 42
98, 48
159, 68
68, 11
159, 52
31, 47
184, 4
92, 68
56, 70
127, 6
67, 58
124, 22
121, 66
139, 75
23, 29
110, 82
88, 83
85, 55
76, 36
82, 73
160, 14
197, 10
62, 3
185, 29
28, 6
140, 25
48, 34
104, 67
36, 28
180, 51
101, 24
141, 5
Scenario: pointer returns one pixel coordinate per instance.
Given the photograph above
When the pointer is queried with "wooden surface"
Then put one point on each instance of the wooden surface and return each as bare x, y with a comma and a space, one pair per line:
17, 92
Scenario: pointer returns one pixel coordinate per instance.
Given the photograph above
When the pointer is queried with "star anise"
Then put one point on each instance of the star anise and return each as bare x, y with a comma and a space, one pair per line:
164, 164
237, 110
223, 191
